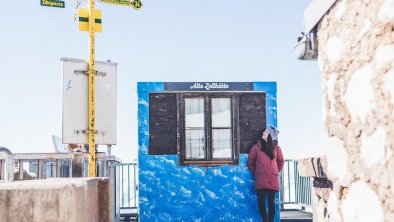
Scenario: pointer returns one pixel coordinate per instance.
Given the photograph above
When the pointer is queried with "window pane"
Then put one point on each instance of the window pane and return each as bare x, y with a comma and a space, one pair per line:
221, 143
195, 141
194, 112
221, 112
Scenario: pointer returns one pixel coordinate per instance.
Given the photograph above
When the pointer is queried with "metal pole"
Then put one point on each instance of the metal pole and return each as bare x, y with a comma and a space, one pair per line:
297, 183
122, 204
288, 179
128, 186
135, 186
1, 170
21, 170
39, 169
91, 76
109, 150
57, 168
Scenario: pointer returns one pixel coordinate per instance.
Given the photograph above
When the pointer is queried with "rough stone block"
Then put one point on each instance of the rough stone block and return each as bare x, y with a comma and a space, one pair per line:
313, 167
60, 199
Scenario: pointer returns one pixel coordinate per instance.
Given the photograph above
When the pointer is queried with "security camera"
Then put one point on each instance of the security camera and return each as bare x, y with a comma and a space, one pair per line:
306, 49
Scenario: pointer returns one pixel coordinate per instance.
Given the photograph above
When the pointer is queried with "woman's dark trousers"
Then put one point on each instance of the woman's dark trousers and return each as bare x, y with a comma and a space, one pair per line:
261, 196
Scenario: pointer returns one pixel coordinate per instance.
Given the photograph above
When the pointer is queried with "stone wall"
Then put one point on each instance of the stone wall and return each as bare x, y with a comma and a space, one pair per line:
66, 199
356, 58
317, 169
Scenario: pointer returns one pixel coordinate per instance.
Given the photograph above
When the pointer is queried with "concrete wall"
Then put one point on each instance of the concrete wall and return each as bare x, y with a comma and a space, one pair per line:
68, 200
356, 58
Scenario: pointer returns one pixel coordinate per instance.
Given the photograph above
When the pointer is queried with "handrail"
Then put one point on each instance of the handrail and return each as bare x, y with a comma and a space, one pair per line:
129, 188
296, 190
51, 156
69, 164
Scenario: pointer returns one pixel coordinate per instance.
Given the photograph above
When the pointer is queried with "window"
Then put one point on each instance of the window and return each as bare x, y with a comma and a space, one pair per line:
194, 128
205, 128
221, 128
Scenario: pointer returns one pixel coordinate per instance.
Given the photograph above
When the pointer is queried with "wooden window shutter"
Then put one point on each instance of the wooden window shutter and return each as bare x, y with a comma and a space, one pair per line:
252, 119
162, 123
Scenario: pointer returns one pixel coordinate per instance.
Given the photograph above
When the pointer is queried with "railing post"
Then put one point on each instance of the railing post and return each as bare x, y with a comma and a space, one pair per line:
135, 185
105, 168
296, 181
128, 185
39, 169
282, 188
20, 169
57, 168
1, 170
288, 180
8, 164
109, 150
77, 165
121, 184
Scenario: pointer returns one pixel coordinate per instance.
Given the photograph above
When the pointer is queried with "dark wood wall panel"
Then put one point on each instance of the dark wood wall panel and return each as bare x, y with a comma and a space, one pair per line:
162, 123
252, 119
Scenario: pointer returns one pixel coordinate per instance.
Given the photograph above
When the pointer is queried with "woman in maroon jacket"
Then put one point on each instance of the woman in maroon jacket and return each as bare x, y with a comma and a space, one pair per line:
265, 161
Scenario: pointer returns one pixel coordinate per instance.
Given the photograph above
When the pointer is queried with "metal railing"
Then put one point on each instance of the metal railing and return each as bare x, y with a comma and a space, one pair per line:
32, 166
129, 190
50, 165
123, 177
128, 185
296, 190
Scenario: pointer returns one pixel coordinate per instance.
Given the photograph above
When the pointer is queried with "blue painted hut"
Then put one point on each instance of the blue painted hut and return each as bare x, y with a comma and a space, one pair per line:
194, 138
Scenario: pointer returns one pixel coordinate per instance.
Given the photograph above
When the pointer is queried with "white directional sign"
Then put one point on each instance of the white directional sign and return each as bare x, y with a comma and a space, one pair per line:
75, 102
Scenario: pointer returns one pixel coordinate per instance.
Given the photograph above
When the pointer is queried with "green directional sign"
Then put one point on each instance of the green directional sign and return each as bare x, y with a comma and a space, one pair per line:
134, 3
53, 3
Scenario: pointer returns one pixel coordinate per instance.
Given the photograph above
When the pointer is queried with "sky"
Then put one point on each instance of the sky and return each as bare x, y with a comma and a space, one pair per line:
170, 41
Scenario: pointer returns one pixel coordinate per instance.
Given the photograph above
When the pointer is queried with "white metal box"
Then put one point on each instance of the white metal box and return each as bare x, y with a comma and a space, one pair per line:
75, 102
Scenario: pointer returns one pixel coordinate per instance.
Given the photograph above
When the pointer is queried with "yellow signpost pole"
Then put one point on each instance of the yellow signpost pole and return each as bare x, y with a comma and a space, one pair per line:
91, 109
90, 20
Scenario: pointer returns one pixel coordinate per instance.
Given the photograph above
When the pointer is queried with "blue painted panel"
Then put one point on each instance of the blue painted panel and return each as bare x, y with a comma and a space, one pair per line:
270, 89
271, 106
150, 86
168, 192
264, 86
